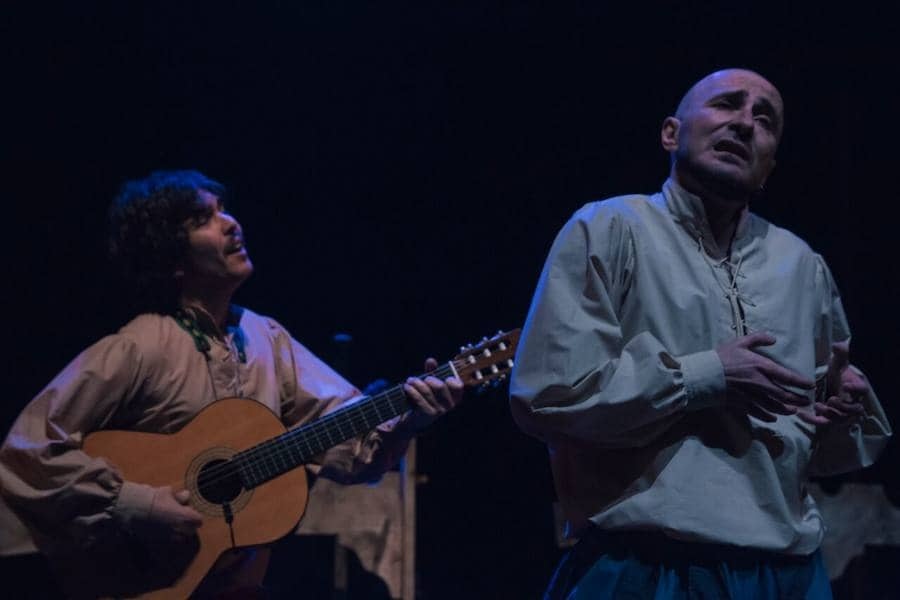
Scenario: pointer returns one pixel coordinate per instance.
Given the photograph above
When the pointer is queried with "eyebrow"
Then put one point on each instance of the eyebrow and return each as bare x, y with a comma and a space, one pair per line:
766, 106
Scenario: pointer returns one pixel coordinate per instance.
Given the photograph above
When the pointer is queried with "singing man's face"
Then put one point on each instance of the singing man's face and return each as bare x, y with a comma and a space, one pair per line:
216, 258
728, 129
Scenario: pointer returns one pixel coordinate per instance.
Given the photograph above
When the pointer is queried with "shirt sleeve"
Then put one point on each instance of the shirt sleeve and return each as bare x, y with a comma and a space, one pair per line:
856, 443
576, 375
57, 489
313, 390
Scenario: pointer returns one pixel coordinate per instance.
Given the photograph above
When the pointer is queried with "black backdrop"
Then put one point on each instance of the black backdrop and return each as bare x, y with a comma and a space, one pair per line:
400, 171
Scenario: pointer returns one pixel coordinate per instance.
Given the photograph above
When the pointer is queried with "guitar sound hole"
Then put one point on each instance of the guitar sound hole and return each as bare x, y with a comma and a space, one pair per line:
218, 482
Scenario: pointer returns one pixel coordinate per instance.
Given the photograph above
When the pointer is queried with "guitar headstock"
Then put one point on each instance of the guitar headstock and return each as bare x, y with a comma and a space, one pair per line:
488, 361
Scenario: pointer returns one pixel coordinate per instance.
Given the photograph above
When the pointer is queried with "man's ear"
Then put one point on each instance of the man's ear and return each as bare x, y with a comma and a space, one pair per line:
669, 134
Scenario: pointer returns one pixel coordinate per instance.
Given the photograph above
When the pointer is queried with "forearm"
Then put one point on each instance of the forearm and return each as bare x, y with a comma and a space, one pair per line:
366, 458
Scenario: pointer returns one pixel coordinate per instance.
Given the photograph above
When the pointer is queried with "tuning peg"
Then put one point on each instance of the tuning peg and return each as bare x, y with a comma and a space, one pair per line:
509, 363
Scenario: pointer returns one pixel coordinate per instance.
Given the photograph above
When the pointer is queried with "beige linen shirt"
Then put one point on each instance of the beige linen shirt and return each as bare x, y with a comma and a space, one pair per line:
151, 377
617, 372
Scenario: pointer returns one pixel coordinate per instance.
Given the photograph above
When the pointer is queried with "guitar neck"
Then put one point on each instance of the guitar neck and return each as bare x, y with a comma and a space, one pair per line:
297, 447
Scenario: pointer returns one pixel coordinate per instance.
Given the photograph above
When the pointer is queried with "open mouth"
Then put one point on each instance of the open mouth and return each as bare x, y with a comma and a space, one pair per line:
235, 247
732, 147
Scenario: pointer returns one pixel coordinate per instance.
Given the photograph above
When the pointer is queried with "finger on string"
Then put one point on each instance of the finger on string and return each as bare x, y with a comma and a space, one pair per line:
441, 392
419, 401
424, 390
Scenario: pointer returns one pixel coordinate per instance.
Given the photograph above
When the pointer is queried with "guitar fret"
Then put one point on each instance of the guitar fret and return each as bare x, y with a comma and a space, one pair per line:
256, 471
367, 419
296, 447
378, 413
309, 450
360, 420
331, 440
296, 455
241, 461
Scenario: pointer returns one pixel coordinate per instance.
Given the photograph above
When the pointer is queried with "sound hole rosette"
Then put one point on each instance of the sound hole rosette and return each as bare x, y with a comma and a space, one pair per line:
216, 454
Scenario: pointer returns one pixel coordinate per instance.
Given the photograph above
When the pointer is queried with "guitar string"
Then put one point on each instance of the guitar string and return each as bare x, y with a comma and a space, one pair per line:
286, 446
288, 443
318, 430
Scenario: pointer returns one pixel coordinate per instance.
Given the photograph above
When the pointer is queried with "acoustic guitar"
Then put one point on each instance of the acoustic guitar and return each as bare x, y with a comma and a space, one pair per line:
242, 466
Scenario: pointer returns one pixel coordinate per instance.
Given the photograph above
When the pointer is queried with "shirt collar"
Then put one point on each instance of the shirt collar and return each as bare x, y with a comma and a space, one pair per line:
689, 212
200, 326
206, 324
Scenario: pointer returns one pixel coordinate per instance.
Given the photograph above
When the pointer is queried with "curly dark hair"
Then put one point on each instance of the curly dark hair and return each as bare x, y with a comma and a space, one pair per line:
147, 236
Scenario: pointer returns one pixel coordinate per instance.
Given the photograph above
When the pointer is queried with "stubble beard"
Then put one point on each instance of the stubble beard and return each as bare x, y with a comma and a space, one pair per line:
713, 181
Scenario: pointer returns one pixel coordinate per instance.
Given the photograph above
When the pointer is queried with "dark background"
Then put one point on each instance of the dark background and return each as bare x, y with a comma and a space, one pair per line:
400, 171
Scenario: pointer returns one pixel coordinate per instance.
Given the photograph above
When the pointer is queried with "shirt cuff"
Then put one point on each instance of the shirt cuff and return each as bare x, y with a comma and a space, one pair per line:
704, 379
133, 504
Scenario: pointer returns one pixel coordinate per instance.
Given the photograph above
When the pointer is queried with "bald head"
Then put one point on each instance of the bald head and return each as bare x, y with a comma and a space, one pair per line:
719, 79
724, 134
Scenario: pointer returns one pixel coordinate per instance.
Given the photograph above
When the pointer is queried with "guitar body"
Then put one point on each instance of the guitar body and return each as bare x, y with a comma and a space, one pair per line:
245, 475
258, 516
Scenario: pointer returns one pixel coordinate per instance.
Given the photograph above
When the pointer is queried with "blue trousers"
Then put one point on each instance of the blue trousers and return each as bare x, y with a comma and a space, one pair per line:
651, 566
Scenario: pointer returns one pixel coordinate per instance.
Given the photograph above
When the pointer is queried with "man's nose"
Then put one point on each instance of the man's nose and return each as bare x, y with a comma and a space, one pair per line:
229, 224
743, 122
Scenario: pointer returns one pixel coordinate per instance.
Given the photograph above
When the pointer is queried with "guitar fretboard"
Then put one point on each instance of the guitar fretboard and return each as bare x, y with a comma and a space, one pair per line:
296, 447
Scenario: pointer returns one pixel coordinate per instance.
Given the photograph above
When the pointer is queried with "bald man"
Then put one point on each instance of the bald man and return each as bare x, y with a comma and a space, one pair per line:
686, 363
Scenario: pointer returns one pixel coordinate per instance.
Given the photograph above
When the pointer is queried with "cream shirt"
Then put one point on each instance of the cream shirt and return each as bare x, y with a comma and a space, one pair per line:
150, 376
617, 372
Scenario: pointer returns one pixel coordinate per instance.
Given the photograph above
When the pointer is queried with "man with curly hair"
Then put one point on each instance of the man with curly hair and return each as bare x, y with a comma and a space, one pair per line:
184, 257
